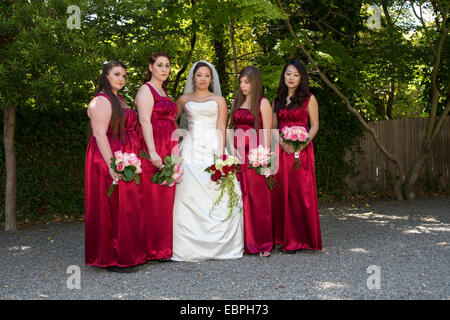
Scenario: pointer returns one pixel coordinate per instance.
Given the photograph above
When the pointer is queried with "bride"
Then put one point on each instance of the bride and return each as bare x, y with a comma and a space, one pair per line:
198, 234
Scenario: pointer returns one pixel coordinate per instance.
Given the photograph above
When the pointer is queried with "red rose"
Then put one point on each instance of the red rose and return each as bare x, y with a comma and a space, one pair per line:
213, 168
224, 157
226, 169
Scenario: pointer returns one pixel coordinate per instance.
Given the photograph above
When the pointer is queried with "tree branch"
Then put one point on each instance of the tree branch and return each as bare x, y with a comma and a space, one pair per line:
440, 121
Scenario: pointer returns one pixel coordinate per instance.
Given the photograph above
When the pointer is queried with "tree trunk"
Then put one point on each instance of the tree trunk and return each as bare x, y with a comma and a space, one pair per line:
390, 102
220, 62
233, 46
187, 61
220, 56
10, 166
189, 55
434, 123
408, 188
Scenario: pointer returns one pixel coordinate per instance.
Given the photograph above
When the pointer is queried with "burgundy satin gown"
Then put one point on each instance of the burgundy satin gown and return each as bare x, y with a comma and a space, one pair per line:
156, 200
114, 227
294, 202
255, 193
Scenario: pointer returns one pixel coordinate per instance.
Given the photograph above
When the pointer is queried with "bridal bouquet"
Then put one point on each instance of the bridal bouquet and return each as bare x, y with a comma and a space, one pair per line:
171, 171
223, 172
296, 136
260, 159
128, 166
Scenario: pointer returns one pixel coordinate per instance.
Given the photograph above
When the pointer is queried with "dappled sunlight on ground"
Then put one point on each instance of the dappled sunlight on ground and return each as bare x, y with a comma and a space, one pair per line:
429, 228
359, 250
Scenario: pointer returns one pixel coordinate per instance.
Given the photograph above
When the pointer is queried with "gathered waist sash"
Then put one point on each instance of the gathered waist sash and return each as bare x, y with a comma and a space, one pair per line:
157, 118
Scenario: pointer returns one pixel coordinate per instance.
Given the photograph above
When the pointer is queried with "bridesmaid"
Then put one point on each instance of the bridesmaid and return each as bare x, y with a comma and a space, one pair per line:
295, 206
251, 113
156, 118
114, 232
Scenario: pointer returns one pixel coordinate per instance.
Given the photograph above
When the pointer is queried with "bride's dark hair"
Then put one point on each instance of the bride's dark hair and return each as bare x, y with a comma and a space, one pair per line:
198, 66
301, 92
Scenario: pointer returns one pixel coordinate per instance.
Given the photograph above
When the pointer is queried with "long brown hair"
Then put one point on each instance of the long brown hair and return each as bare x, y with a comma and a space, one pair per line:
254, 76
152, 61
117, 118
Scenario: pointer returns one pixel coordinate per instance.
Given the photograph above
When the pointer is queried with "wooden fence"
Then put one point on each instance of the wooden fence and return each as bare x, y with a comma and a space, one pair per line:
402, 138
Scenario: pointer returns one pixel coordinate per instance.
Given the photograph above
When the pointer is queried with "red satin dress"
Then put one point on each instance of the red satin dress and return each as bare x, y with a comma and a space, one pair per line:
255, 193
114, 232
294, 202
156, 200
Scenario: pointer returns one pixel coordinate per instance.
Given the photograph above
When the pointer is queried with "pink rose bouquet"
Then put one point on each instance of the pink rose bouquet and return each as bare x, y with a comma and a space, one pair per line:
261, 159
128, 166
297, 136
223, 172
171, 172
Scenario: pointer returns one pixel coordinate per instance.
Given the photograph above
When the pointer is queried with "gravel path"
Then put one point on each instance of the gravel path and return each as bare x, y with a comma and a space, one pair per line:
406, 243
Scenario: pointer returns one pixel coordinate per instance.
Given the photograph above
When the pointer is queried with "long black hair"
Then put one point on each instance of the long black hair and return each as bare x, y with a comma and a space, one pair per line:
301, 92
117, 118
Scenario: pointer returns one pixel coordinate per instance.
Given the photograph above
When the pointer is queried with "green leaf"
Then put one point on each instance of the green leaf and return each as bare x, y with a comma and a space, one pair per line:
137, 179
160, 179
128, 173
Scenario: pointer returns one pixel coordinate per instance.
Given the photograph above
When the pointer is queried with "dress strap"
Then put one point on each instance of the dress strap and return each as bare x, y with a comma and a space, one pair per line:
151, 89
102, 94
259, 107
155, 93
121, 97
305, 104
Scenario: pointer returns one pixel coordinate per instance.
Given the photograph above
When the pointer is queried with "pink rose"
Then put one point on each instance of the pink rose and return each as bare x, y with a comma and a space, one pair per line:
118, 155
120, 167
302, 137
138, 170
135, 162
288, 135
176, 177
253, 156
178, 169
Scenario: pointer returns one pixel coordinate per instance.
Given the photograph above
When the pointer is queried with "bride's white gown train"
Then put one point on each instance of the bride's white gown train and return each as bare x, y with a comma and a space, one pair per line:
197, 235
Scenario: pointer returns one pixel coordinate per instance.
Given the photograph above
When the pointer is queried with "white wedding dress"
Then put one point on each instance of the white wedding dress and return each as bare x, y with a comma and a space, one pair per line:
197, 235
